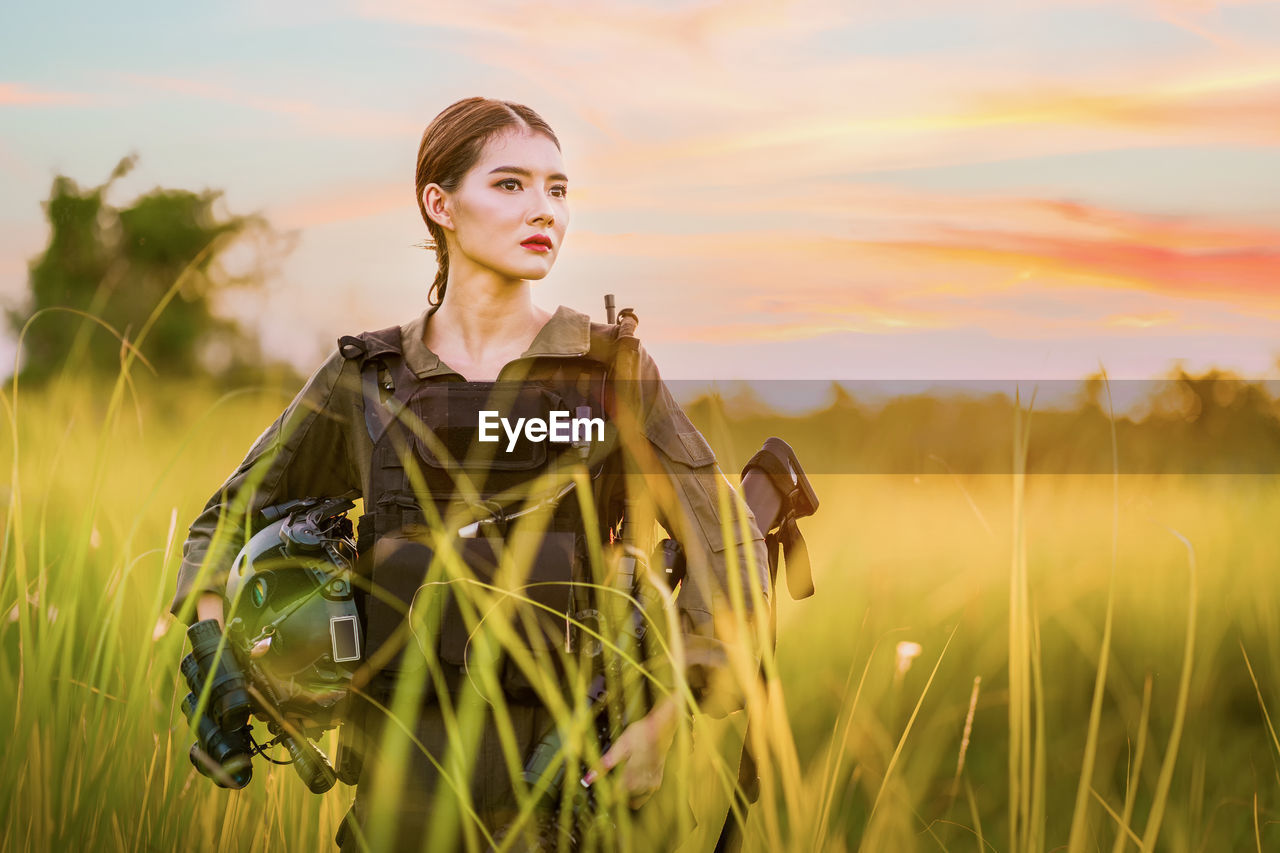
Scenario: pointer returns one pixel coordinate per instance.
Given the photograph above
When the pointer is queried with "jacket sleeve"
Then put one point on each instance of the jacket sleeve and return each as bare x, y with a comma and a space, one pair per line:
715, 544
305, 453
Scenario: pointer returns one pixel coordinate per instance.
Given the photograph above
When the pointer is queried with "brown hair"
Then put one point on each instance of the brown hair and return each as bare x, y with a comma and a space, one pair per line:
451, 145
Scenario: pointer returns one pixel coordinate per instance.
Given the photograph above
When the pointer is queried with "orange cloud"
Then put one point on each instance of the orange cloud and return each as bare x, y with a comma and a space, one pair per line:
1244, 275
689, 25
1237, 104
1169, 232
1141, 321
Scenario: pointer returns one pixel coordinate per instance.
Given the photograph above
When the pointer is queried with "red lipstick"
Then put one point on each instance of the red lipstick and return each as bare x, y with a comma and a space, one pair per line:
538, 243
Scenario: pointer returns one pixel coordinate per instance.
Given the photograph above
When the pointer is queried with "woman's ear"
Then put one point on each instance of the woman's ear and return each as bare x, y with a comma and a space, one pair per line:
438, 205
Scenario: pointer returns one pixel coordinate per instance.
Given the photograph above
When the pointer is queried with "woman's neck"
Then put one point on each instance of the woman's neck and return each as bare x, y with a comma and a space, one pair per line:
483, 319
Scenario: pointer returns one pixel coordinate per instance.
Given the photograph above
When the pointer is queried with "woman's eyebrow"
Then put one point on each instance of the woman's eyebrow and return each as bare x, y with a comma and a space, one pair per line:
526, 173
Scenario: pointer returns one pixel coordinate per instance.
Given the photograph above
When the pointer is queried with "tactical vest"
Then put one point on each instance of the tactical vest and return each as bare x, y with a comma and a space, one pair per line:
430, 473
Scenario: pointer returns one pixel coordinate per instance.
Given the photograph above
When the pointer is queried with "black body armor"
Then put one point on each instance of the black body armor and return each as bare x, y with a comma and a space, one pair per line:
434, 485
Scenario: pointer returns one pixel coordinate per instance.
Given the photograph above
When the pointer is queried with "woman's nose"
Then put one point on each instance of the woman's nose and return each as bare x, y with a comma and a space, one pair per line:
542, 213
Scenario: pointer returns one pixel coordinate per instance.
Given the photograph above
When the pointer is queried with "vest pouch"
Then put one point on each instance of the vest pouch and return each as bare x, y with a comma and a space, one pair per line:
538, 600
404, 612
446, 435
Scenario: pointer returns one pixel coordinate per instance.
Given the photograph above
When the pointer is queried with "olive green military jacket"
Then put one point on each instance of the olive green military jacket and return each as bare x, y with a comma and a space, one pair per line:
320, 446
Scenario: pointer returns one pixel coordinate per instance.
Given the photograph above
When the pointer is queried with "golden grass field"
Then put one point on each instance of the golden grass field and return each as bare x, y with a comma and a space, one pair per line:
1004, 582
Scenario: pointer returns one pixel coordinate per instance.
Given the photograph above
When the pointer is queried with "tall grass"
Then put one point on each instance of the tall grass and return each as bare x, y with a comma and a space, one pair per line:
1116, 709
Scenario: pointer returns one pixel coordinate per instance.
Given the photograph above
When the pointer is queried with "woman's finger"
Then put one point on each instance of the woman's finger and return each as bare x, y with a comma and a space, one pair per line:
614, 756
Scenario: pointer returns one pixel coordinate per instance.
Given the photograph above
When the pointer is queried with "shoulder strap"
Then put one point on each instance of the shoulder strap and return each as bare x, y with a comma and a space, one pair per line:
384, 399
603, 345
371, 344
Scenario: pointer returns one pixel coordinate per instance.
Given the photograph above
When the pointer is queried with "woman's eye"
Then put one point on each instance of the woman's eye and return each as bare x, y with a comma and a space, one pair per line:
559, 191
509, 183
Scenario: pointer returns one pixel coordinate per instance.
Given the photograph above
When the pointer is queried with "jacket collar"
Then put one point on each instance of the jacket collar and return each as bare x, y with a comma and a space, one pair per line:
567, 333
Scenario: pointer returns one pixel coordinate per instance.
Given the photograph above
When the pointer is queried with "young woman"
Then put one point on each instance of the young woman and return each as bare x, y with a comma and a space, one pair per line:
493, 191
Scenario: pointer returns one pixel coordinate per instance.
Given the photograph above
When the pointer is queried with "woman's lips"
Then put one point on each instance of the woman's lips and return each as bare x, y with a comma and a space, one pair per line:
535, 246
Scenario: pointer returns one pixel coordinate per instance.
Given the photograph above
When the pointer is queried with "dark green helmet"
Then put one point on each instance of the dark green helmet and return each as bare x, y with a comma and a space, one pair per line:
292, 613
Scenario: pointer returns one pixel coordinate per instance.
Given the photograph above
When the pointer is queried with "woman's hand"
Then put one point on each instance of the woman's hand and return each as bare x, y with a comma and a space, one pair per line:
641, 750
209, 606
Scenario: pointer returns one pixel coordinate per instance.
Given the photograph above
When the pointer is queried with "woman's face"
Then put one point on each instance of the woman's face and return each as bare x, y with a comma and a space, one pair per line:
510, 212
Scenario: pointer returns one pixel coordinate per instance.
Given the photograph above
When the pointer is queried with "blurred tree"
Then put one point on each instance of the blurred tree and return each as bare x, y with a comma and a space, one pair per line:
152, 271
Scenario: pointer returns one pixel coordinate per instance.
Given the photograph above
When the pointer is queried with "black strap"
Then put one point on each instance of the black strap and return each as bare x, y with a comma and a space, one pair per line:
375, 415
796, 553
774, 467
380, 352
384, 402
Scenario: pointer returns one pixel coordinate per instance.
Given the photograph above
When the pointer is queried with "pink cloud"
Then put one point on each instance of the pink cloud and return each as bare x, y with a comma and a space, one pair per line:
22, 95
343, 204
330, 119
206, 90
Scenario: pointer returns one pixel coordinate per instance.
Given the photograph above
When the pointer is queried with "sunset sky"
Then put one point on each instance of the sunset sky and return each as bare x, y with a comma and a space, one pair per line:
818, 189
